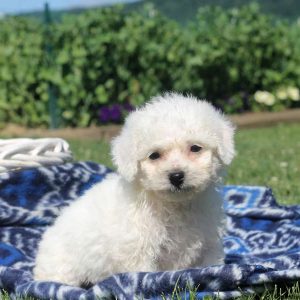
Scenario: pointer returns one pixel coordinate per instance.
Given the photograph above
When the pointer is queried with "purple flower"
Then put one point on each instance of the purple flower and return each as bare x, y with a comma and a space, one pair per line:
104, 114
128, 107
115, 113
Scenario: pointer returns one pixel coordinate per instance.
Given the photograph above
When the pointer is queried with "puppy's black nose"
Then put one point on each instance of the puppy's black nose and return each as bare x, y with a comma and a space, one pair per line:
176, 178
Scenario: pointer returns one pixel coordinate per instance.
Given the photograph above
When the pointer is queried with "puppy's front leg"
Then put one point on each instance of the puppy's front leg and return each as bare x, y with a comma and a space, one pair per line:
213, 255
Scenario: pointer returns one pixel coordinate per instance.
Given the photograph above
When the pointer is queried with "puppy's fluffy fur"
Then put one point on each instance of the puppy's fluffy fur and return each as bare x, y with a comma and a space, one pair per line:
140, 219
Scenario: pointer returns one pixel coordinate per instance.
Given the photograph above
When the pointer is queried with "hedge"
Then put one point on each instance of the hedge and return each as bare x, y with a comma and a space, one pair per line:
105, 62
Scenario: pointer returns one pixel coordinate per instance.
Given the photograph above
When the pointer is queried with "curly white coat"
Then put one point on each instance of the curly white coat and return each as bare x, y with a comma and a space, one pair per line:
137, 220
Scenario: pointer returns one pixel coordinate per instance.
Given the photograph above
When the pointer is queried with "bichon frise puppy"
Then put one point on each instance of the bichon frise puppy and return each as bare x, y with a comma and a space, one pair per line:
160, 212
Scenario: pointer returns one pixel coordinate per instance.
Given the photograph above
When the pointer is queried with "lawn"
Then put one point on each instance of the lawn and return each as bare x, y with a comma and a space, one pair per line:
269, 156
265, 156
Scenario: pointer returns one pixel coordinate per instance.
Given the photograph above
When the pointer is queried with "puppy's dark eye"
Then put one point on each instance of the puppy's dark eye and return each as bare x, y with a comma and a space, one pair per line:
195, 148
154, 155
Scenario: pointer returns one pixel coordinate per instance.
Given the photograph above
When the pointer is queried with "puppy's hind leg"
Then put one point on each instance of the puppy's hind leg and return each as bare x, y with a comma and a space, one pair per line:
56, 268
60, 276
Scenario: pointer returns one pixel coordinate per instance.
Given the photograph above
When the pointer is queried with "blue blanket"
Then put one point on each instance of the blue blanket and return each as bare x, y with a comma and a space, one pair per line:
262, 243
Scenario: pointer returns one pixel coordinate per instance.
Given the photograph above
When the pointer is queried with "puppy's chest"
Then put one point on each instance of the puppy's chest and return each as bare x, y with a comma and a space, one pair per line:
179, 247
173, 242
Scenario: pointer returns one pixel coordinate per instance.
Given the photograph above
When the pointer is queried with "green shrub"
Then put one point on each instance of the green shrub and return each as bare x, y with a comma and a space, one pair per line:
107, 59
23, 96
239, 51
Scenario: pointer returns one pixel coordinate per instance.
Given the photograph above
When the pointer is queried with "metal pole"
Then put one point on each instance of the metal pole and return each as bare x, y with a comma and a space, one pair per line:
50, 64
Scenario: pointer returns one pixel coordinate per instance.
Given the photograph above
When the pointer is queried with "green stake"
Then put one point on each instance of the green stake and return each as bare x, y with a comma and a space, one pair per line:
50, 63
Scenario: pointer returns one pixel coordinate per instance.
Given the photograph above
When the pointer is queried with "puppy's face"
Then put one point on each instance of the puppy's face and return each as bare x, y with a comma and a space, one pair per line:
180, 166
174, 145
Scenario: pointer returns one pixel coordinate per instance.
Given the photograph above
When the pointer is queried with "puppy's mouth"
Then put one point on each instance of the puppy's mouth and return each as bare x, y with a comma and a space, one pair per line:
181, 189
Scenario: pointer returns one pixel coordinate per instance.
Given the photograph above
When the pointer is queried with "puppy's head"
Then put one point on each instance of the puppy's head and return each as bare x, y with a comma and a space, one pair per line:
174, 144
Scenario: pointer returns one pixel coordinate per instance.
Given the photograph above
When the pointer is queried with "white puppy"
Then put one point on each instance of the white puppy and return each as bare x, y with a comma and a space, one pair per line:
160, 212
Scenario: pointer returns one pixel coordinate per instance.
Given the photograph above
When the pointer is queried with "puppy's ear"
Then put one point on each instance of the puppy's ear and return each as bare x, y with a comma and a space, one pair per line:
226, 144
123, 155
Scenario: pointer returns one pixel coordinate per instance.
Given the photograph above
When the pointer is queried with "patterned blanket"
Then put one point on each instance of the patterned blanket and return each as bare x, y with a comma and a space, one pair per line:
262, 243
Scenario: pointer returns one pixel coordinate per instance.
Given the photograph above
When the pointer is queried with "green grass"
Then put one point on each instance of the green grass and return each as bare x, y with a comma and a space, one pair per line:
96, 150
269, 156
291, 293
265, 156
4, 296
276, 293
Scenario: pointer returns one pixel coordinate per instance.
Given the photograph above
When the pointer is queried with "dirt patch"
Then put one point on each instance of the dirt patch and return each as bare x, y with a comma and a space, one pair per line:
247, 120
94, 132
262, 119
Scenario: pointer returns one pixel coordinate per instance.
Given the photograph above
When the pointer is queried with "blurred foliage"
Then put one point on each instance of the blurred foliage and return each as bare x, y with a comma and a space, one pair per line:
105, 57
239, 51
23, 96
185, 10
109, 58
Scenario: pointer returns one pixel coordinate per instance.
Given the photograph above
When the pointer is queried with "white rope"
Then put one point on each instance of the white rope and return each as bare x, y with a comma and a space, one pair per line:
26, 153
